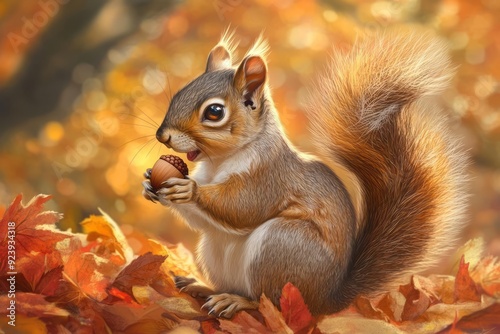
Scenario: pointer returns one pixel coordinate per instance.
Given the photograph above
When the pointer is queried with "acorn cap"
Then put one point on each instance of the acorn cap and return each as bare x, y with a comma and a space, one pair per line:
177, 163
166, 167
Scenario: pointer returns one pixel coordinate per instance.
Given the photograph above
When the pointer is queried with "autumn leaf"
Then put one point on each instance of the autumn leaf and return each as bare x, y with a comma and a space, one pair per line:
34, 229
210, 327
487, 274
43, 272
369, 309
392, 305
419, 294
182, 307
294, 309
484, 321
139, 272
273, 317
243, 323
465, 287
105, 228
349, 324
85, 313
90, 273
32, 305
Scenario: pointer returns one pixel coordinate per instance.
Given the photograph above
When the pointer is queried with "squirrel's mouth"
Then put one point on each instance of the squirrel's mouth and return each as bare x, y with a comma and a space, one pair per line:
192, 155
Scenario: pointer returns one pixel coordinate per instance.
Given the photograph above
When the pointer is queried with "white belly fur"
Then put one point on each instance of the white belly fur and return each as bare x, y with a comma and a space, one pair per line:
226, 258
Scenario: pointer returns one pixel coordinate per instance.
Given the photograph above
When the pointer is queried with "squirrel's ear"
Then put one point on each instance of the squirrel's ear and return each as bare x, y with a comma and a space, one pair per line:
250, 76
218, 59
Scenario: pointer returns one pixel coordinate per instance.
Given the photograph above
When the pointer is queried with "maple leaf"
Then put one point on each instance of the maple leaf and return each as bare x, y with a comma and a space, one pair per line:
465, 287
140, 271
294, 309
43, 272
90, 273
34, 230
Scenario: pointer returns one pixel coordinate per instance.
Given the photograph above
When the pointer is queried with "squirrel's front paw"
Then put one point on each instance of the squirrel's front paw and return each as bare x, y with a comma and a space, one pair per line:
177, 191
148, 192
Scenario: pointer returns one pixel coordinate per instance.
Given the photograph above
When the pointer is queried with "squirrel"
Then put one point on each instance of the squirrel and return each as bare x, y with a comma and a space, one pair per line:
383, 197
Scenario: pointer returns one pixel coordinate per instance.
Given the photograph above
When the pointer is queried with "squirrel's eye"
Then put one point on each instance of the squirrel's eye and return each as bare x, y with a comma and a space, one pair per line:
213, 112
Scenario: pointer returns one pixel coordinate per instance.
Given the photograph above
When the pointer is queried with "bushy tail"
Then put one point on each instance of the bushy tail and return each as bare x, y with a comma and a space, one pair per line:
370, 115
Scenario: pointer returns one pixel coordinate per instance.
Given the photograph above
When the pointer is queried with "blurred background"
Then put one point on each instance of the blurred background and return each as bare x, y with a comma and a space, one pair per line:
84, 84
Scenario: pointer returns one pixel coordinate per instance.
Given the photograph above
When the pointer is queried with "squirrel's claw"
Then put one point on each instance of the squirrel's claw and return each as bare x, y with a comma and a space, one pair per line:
148, 192
226, 305
147, 173
181, 282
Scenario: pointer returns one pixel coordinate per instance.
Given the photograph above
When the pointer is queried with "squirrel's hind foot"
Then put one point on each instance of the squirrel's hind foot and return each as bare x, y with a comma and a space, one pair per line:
225, 305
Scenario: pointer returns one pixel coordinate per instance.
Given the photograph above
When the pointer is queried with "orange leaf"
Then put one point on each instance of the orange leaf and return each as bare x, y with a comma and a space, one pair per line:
294, 309
141, 272
111, 237
243, 323
85, 271
419, 295
274, 319
465, 287
487, 274
369, 309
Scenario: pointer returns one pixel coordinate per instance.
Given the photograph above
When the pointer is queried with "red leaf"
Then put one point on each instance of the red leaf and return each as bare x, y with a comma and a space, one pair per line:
49, 282
140, 272
33, 230
294, 309
120, 295
42, 271
465, 287
210, 327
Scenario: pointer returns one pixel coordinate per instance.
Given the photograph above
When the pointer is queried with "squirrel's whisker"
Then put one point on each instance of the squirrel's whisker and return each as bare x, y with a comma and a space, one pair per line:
142, 137
142, 125
140, 118
142, 147
152, 120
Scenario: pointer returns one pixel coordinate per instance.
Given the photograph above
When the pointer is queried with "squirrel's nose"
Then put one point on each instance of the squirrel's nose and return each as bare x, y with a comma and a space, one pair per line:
163, 137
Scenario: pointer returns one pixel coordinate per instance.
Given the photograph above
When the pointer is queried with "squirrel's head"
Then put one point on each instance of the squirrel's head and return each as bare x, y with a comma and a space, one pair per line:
220, 111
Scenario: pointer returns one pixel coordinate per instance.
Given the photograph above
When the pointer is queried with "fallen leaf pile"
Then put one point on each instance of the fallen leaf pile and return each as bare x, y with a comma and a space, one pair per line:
116, 280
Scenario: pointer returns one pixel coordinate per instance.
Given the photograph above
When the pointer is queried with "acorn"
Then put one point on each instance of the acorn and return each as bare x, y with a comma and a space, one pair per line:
166, 167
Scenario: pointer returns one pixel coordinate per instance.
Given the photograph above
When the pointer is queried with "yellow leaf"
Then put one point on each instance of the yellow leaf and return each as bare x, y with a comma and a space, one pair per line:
105, 227
349, 324
472, 250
